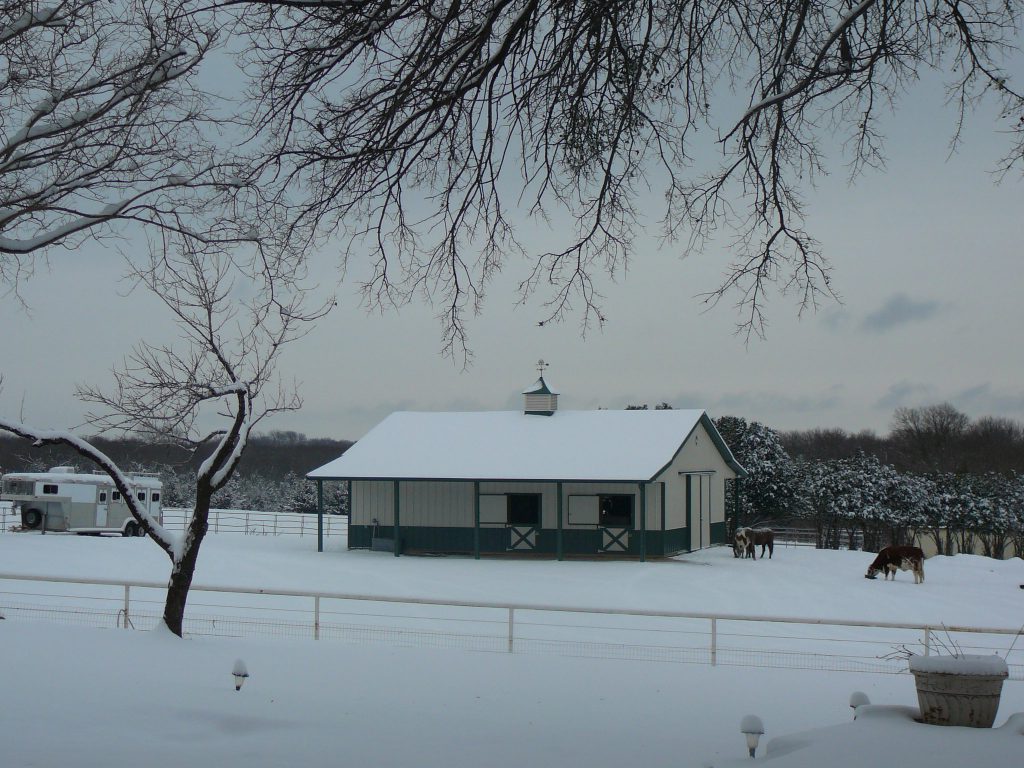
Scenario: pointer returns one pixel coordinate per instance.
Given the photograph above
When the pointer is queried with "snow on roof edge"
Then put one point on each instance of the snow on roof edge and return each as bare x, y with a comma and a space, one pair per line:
652, 439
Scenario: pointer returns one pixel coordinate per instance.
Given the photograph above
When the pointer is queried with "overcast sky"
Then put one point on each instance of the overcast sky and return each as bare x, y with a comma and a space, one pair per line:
928, 261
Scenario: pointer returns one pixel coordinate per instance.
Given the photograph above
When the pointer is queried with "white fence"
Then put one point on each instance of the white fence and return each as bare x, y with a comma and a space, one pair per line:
717, 639
231, 521
261, 523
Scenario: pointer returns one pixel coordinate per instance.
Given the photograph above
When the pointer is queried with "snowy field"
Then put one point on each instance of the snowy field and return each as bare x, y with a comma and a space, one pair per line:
75, 696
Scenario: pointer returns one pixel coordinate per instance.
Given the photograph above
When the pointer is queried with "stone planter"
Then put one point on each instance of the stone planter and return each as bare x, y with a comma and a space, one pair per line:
959, 690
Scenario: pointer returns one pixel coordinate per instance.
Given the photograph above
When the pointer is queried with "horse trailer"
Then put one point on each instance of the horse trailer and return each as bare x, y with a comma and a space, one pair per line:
65, 500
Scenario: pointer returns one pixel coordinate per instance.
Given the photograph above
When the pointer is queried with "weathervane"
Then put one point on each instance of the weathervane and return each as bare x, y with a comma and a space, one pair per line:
541, 365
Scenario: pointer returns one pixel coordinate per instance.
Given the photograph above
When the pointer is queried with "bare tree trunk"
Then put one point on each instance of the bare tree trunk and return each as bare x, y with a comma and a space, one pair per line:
181, 574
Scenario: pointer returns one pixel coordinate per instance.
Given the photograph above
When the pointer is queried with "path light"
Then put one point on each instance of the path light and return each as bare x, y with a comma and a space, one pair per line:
240, 673
752, 727
858, 699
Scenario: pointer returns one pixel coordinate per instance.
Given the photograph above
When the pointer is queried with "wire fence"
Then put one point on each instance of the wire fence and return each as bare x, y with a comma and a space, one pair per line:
251, 523
698, 638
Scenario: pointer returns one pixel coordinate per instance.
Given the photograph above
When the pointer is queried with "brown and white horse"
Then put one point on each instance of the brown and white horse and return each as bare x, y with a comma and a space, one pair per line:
747, 539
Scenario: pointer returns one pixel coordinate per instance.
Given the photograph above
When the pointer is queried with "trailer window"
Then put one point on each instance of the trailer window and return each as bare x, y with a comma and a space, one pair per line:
155, 497
50, 489
116, 496
103, 497
19, 487
142, 495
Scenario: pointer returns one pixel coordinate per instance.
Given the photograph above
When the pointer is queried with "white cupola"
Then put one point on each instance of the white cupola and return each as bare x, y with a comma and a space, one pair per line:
540, 399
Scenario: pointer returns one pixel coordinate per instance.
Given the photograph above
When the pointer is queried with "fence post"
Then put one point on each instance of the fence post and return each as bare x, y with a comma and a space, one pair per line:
714, 642
216, 522
302, 526
511, 627
275, 525
127, 589
316, 617
247, 523
927, 641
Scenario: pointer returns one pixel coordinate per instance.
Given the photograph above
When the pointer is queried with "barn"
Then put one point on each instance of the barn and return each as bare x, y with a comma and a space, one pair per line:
632, 483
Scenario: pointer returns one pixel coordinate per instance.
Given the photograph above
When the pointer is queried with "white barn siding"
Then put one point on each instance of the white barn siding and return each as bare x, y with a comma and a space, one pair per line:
440, 504
653, 506
698, 454
372, 499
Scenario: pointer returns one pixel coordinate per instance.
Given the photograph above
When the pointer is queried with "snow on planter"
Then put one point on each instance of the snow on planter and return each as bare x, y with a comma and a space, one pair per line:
964, 664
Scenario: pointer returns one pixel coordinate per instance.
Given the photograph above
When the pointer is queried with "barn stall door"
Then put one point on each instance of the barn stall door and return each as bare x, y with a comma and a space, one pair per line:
523, 520
518, 513
610, 515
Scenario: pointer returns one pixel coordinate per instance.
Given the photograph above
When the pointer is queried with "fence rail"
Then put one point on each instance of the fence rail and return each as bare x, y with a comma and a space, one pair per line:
666, 636
260, 523
251, 523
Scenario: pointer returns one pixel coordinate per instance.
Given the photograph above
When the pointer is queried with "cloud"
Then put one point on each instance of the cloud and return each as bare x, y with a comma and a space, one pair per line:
903, 393
983, 400
834, 319
762, 402
978, 400
899, 310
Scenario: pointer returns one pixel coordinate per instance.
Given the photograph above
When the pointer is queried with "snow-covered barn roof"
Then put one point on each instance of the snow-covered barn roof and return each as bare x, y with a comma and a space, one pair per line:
510, 445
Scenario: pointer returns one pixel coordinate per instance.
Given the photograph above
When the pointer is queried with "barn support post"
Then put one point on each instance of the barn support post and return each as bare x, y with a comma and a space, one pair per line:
319, 515
476, 520
397, 526
643, 522
558, 535
348, 489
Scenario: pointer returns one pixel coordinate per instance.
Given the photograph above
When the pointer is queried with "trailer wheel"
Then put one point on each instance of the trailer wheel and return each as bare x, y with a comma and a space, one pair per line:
131, 529
31, 518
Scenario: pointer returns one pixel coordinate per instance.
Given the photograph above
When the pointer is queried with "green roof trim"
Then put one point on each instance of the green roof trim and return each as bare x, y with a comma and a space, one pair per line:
722, 446
540, 387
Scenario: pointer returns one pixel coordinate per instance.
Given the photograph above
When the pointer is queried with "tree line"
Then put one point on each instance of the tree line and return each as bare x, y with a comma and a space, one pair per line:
936, 476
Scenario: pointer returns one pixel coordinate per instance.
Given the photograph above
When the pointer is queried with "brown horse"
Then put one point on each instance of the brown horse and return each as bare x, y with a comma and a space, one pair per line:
747, 539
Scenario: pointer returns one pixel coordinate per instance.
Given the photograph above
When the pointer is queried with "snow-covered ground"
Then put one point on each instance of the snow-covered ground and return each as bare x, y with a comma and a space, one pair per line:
72, 696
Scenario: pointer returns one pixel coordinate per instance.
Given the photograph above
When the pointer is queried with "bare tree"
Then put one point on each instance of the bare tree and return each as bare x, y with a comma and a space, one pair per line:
418, 129
929, 436
234, 326
100, 125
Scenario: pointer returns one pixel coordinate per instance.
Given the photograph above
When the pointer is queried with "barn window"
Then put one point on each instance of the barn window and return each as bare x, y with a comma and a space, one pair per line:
50, 489
103, 497
155, 497
117, 496
142, 495
616, 511
524, 509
